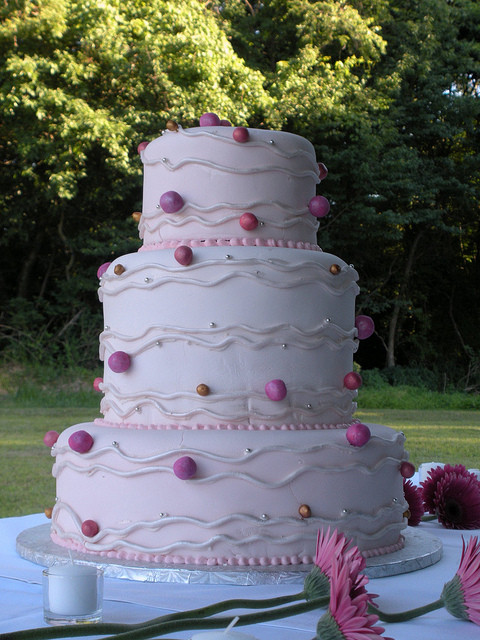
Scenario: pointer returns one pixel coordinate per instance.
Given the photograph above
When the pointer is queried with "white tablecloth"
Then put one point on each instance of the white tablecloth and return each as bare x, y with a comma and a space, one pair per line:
128, 602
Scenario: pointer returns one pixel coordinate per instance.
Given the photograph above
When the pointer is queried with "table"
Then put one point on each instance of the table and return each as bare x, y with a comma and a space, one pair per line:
129, 602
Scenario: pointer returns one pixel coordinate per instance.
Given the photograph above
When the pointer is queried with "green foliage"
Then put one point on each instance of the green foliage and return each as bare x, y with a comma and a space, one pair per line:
387, 90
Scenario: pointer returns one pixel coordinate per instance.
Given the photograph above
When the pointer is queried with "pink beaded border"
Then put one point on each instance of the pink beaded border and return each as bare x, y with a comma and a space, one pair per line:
241, 561
220, 427
381, 551
232, 242
222, 561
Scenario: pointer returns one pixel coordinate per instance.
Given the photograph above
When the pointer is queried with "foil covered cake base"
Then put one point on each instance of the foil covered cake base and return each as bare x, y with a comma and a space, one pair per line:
421, 550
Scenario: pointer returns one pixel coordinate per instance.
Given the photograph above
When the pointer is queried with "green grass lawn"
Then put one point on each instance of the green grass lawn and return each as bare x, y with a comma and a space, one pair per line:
27, 486
26, 482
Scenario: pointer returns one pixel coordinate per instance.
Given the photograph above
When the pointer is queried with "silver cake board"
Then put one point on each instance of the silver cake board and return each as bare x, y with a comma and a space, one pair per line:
421, 550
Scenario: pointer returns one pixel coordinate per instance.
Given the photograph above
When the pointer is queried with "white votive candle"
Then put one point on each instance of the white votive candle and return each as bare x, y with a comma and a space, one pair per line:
223, 635
72, 590
425, 467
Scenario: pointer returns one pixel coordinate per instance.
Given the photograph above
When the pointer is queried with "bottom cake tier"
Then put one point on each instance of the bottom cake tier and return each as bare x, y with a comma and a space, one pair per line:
225, 497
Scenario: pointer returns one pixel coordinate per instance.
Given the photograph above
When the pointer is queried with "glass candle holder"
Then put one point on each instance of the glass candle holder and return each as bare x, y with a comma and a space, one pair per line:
72, 594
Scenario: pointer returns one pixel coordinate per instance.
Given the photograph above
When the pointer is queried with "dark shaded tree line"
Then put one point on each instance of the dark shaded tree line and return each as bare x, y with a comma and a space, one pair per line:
387, 90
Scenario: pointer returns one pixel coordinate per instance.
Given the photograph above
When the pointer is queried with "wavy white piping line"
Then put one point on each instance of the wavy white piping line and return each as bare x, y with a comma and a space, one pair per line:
252, 143
250, 171
258, 278
164, 220
316, 342
93, 543
140, 400
245, 458
237, 475
237, 206
284, 267
284, 328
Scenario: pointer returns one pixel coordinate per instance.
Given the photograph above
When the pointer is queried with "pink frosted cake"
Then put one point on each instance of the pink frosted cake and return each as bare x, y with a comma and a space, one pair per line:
228, 435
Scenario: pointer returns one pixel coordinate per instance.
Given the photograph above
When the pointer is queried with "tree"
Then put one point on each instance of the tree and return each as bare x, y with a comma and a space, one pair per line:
82, 83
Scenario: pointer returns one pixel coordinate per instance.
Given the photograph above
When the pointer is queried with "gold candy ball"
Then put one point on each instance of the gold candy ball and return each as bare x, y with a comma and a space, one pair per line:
48, 512
172, 125
136, 215
119, 269
203, 390
305, 511
335, 269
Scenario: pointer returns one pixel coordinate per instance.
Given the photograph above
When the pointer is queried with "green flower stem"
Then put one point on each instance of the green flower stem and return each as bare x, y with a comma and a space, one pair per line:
428, 517
402, 616
173, 626
108, 628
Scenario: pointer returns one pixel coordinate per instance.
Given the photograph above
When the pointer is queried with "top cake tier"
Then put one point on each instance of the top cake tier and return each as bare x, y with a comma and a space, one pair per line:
219, 185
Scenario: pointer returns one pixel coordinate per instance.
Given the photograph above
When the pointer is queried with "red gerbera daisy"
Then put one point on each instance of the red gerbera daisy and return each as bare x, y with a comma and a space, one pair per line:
457, 501
413, 495
429, 485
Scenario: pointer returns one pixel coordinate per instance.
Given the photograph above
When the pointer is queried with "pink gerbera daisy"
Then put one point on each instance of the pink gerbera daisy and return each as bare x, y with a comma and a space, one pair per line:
429, 486
334, 550
461, 596
413, 495
457, 501
347, 618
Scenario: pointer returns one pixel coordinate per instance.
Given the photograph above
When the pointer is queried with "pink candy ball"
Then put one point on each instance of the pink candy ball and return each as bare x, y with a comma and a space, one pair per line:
171, 201
358, 434
142, 146
183, 255
352, 380
248, 221
240, 134
322, 171
80, 441
96, 384
185, 468
225, 123
102, 268
50, 438
407, 469
90, 528
209, 120
276, 390
365, 327
319, 206
119, 362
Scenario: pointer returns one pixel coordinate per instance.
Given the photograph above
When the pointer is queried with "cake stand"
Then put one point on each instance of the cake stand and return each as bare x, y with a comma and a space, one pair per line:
421, 550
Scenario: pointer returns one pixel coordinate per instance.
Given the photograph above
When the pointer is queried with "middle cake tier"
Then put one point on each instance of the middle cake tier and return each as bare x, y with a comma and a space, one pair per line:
237, 337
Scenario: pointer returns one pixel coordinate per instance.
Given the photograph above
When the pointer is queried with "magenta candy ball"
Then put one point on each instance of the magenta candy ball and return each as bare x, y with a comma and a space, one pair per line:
276, 390
322, 171
352, 380
358, 434
365, 327
171, 201
185, 468
225, 123
102, 268
119, 362
50, 438
90, 528
142, 146
319, 206
407, 469
183, 255
248, 221
240, 134
96, 384
209, 120
80, 441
